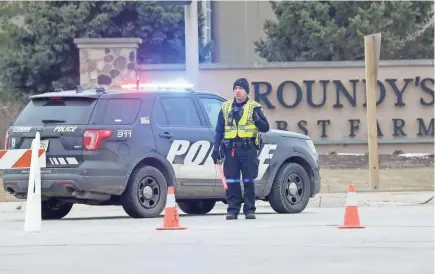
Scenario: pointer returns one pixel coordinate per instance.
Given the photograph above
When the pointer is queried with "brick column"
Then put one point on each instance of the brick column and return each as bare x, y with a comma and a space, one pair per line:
107, 62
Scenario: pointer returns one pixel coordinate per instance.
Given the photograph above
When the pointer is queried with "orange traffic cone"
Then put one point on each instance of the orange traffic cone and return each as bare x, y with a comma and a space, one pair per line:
351, 215
171, 220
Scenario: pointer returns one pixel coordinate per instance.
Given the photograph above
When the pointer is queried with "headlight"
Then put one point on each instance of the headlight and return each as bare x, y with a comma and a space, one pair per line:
311, 146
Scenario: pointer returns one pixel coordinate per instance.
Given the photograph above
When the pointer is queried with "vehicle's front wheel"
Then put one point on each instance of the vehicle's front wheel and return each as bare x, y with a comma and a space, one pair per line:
197, 206
290, 191
54, 210
145, 194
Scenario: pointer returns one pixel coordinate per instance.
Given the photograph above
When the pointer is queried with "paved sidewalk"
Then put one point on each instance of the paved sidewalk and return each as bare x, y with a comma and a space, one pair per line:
322, 200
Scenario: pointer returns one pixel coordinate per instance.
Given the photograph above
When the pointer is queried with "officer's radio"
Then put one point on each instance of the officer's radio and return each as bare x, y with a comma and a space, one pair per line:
230, 118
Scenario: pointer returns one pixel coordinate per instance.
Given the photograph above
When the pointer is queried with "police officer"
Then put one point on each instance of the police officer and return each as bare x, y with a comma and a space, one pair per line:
237, 137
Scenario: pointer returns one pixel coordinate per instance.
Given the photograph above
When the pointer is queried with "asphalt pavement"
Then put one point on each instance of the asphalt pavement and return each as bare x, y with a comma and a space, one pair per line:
397, 239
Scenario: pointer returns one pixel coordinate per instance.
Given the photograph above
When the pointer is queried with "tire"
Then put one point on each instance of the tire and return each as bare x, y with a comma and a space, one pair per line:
198, 207
54, 210
286, 199
148, 204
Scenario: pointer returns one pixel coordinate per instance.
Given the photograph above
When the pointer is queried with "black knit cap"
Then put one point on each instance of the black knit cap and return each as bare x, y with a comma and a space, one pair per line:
242, 82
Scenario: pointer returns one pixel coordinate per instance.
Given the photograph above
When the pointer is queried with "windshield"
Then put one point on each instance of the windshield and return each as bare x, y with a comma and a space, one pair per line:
44, 111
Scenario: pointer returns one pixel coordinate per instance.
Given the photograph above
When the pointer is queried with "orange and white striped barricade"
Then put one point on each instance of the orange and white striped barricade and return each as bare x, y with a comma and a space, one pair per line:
20, 158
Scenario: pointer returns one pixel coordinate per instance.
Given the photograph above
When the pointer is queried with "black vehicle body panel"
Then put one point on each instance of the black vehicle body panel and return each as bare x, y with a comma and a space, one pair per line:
183, 154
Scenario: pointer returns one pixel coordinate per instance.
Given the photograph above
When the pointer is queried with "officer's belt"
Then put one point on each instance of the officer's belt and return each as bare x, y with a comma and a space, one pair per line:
239, 142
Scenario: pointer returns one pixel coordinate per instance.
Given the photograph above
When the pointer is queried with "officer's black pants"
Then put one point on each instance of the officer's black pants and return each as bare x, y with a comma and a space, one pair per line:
245, 160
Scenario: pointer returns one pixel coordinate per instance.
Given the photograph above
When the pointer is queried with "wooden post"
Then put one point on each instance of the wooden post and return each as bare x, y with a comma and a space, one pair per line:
372, 45
191, 42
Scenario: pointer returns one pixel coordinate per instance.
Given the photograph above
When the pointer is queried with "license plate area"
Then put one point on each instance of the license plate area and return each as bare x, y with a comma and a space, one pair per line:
44, 144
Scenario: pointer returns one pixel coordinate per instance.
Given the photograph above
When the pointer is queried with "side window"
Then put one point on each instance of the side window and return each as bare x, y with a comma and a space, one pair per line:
180, 111
212, 107
121, 111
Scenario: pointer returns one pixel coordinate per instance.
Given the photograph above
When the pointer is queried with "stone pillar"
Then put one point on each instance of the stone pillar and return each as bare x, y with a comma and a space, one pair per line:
107, 62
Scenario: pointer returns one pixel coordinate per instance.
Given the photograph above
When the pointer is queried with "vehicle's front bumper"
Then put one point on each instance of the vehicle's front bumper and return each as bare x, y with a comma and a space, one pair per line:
317, 180
62, 182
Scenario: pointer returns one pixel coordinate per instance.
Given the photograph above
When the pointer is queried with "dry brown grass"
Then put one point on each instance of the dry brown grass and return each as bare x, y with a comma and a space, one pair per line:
396, 179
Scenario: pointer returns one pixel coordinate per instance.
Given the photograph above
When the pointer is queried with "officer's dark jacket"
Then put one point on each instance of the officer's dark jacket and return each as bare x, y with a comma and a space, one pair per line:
263, 125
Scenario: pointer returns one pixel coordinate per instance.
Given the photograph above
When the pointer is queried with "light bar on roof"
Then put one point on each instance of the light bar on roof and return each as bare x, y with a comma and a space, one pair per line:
178, 84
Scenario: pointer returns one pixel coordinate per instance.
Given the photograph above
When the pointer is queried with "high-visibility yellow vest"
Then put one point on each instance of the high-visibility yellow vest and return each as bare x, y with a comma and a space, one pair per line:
246, 127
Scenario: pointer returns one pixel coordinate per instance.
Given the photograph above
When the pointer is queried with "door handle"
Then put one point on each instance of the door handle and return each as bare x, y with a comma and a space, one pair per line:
166, 135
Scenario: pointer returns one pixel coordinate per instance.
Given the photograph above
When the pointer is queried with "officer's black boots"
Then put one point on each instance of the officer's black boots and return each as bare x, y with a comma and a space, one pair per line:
250, 216
231, 217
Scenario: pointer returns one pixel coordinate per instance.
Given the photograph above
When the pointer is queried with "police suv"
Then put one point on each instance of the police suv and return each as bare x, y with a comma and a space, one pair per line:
126, 146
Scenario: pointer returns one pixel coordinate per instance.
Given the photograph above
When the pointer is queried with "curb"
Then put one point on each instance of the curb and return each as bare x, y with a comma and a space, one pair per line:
365, 199
322, 200
373, 199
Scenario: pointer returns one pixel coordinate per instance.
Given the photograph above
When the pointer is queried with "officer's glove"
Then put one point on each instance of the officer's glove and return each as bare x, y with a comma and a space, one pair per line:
215, 155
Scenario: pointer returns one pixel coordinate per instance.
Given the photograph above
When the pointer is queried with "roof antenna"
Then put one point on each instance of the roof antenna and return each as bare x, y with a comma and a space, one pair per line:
100, 89
79, 88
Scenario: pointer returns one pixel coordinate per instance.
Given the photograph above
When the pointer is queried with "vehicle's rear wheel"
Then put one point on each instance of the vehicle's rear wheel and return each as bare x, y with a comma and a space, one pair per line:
290, 191
54, 210
145, 194
197, 206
